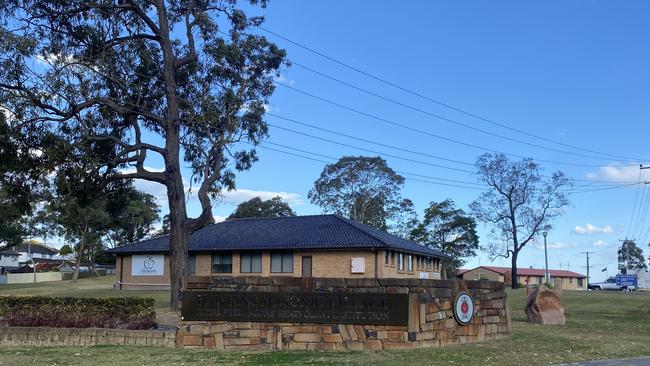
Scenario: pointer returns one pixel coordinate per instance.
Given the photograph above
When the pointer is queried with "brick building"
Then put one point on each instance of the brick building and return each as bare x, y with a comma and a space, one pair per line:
561, 279
302, 246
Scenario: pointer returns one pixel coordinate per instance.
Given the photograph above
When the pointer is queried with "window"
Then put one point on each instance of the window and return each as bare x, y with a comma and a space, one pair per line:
579, 282
392, 258
282, 262
570, 279
191, 263
222, 263
409, 263
385, 257
250, 262
400, 262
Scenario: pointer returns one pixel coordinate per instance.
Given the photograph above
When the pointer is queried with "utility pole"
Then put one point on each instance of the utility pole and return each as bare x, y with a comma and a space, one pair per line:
545, 233
588, 266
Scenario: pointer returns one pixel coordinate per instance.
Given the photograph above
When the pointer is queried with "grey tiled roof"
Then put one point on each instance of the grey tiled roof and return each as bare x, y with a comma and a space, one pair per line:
299, 232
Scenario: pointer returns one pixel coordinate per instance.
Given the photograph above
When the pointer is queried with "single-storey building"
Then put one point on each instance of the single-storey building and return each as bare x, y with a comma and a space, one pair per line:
560, 279
300, 246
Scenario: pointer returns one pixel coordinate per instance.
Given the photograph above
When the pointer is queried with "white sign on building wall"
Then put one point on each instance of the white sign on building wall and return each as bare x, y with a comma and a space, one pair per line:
358, 265
148, 265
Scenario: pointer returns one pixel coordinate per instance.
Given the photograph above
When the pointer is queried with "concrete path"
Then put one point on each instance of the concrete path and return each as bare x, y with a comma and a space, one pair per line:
638, 361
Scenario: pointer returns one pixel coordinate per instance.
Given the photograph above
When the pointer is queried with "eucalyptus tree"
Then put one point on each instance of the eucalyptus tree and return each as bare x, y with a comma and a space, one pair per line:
256, 207
630, 257
519, 205
450, 230
185, 81
362, 188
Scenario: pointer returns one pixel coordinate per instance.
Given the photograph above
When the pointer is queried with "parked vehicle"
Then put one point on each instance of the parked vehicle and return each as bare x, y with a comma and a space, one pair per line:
609, 285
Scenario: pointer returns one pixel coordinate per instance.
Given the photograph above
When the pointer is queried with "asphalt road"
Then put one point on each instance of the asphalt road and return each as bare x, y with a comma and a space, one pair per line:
637, 361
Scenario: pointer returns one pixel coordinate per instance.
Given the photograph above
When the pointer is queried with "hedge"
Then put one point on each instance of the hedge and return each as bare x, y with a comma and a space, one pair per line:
78, 312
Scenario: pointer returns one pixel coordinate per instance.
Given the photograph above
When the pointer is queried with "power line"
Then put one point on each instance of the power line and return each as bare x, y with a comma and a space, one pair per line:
180, 98
643, 209
458, 123
397, 171
636, 196
404, 126
400, 125
362, 139
374, 151
262, 145
310, 125
372, 76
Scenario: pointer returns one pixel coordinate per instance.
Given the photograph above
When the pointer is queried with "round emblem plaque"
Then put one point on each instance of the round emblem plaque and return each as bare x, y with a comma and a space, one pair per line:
463, 308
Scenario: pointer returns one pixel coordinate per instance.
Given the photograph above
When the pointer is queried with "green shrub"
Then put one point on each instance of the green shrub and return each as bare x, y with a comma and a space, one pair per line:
78, 312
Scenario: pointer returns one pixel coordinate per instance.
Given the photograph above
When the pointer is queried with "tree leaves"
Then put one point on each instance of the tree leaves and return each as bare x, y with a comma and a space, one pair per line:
255, 207
361, 188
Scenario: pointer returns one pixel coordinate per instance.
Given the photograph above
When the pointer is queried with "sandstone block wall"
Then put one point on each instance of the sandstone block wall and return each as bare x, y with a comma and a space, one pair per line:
28, 336
431, 319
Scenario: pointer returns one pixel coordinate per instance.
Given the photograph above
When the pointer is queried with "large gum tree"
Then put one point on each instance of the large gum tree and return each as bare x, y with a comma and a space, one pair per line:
183, 80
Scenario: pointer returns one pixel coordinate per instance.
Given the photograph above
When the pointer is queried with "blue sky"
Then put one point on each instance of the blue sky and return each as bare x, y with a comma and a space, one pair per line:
574, 72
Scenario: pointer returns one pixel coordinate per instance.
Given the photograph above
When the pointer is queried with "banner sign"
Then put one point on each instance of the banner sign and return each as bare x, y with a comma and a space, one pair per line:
148, 265
296, 307
626, 280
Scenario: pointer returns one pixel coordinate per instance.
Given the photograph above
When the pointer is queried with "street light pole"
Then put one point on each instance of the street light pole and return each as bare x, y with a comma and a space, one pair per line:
545, 233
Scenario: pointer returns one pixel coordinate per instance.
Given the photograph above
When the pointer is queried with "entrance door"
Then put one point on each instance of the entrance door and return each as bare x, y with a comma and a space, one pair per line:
306, 267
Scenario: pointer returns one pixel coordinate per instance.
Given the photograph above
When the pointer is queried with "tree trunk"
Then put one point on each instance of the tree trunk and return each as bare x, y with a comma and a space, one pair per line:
178, 240
82, 246
513, 281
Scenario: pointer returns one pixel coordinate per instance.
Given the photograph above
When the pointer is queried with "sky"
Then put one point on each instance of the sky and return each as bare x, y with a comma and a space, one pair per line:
572, 72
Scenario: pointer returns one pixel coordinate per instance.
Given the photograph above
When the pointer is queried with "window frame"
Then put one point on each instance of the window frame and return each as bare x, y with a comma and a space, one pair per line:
250, 256
220, 255
283, 255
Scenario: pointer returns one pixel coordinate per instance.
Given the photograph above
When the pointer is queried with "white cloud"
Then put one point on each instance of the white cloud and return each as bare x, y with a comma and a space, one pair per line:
619, 174
238, 196
557, 245
599, 243
52, 59
218, 218
155, 189
590, 229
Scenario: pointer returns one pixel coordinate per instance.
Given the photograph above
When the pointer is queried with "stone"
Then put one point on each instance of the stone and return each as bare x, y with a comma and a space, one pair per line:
321, 346
332, 338
307, 337
396, 336
373, 345
544, 307
354, 345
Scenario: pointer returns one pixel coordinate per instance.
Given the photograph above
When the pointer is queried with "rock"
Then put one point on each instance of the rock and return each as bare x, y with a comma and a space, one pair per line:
544, 307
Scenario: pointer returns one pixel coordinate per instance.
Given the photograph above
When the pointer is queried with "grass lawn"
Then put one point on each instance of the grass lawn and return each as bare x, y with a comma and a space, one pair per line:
600, 325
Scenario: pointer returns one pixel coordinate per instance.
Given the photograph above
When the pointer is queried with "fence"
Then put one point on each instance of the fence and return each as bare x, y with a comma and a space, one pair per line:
11, 278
